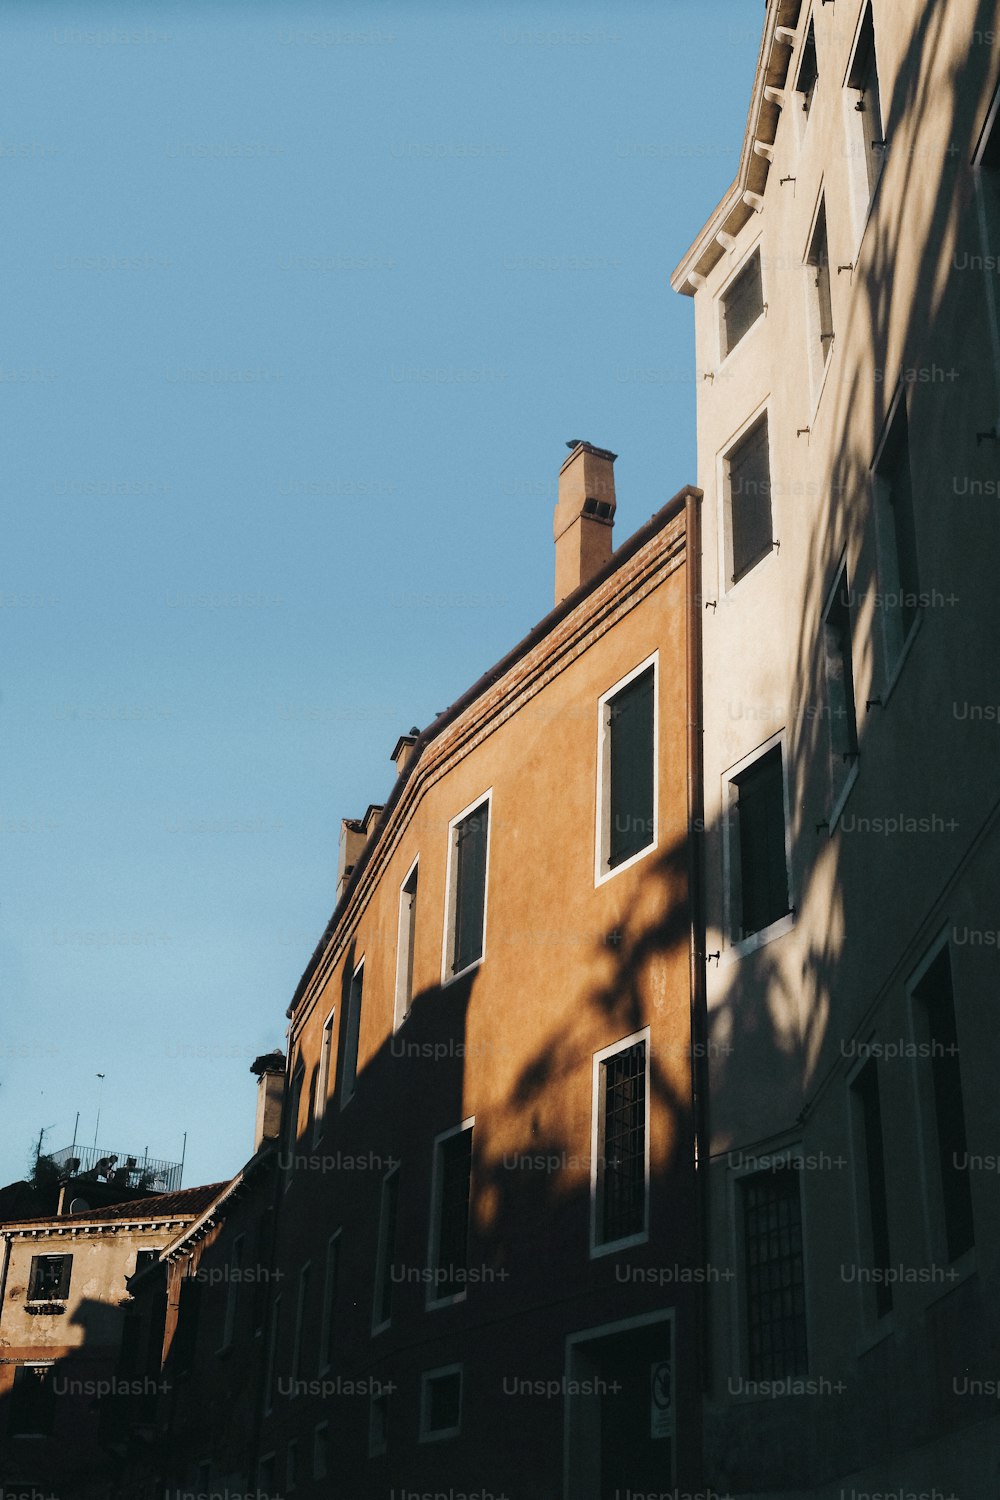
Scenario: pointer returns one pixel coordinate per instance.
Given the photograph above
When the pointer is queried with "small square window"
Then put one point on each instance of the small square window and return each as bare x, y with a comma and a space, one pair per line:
749, 536
468, 859
760, 870
441, 1403
449, 1248
49, 1279
741, 304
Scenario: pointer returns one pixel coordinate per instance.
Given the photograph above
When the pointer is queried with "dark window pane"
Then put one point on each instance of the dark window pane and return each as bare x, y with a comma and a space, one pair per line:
763, 871
743, 303
455, 1169
805, 82
840, 680
353, 1036
32, 1401
631, 731
749, 483
444, 1402
621, 1163
387, 1248
936, 994
867, 1091
470, 887
775, 1292
50, 1276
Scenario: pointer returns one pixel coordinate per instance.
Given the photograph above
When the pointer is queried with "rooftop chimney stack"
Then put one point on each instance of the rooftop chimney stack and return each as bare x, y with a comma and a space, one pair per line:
270, 1071
584, 516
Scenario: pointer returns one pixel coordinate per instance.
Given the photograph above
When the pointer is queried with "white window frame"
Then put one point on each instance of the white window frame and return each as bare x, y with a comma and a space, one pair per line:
323, 1077
326, 1343
433, 1239
862, 195
734, 948
602, 841
723, 517
451, 890
319, 1446
439, 1434
611, 1247
379, 1325
723, 293
345, 1097
403, 1000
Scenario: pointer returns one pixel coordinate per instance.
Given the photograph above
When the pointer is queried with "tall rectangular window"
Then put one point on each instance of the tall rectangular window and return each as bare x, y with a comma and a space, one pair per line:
896, 535
272, 1354
863, 84
761, 885
233, 1283
378, 1422
838, 662
620, 1164
808, 73
741, 304
385, 1258
404, 945
935, 998
323, 1078
328, 1327
774, 1274
301, 1307
32, 1401
49, 1278
321, 1451
349, 1070
626, 799
870, 1169
465, 937
748, 501
449, 1247
821, 304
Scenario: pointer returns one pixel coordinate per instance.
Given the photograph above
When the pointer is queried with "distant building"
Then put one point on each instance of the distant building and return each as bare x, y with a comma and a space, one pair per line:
63, 1296
846, 295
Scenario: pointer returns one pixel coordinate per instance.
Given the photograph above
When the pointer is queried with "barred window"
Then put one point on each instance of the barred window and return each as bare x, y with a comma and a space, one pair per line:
775, 1282
621, 1145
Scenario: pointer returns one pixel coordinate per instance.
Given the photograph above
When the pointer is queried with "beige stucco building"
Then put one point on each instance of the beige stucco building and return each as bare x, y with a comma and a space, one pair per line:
845, 295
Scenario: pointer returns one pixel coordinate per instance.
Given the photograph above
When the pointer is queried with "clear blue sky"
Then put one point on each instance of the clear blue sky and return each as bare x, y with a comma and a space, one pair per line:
300, 305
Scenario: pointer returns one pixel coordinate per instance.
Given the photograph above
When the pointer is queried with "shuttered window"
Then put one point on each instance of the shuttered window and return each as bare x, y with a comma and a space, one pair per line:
630, 727
742, 304
469, 856
761, 818
748, 497
451, 1240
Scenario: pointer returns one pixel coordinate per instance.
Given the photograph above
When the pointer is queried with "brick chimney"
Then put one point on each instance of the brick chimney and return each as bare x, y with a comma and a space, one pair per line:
584, 516
270, 1071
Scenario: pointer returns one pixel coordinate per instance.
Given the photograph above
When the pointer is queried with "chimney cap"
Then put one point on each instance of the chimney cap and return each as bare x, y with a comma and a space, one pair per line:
575, 443
270, 1062
403, 741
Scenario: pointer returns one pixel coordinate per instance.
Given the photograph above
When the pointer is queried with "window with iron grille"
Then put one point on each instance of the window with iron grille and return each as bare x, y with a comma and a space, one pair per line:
385, 1259
467, 889
621, 1156
935, 998
896, 535
32, 1401
352, 1038
874, 1208
748, 501
760, 831
450, 1242
742, 304
49, 1279
775, 1281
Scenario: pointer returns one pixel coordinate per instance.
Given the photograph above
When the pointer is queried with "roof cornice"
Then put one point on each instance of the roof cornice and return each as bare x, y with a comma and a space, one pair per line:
744, 197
